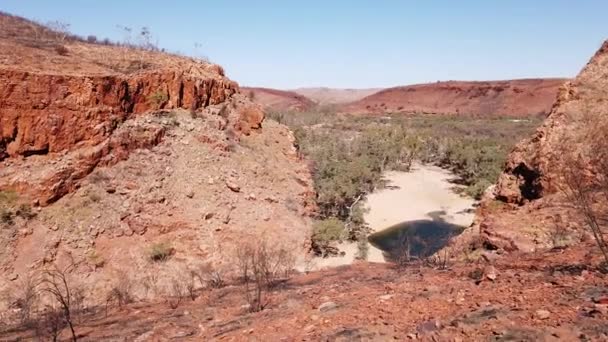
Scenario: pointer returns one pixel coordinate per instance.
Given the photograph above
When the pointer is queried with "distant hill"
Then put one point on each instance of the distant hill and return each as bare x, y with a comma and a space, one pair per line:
325, 96
509, 98
275, 99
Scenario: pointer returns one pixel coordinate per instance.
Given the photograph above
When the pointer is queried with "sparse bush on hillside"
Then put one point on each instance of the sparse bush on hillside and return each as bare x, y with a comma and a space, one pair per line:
6, 216
62, 29
160, 252
158, 99
260, 266
25, 211
54, 283
121, 291
61, 50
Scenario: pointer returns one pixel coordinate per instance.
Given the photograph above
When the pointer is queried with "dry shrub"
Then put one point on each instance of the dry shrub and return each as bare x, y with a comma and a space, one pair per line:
209, 276
439, 260
160, 252
176, 292
583, 166
150, 282
558, 233
50, 324
54, 283
261, 266
26, 299
61, 50
121, 292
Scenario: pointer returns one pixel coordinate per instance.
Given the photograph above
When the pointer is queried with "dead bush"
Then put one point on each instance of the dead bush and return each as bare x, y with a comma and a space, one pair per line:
439, 260
27, 299
121, 292
150, 282
177, 292
160, 252
54, 283
50, 324
583, 165
260, 266
558, 233
61, 50
209, 276
402, 254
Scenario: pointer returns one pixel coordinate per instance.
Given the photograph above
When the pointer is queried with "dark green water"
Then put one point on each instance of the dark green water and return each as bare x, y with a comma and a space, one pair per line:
420, 237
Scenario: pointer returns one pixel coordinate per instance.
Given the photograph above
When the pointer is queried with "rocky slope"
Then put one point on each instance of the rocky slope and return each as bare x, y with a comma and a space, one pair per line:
516, 299
109, 153
527, 209
505, 98
278, 100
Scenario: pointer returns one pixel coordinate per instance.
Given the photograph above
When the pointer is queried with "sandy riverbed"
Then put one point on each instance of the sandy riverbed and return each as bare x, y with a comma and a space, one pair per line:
410, 196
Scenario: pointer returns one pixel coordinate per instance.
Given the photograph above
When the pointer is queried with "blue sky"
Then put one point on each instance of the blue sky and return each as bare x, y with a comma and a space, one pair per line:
356, 43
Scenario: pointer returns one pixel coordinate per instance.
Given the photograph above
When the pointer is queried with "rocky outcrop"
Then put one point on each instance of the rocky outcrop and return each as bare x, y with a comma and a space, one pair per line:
107, 151
527, 210
42, 113
515, 98
531, 169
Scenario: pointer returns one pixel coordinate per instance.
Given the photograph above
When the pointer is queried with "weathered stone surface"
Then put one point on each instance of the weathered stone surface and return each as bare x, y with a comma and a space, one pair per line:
531, 169
42, 113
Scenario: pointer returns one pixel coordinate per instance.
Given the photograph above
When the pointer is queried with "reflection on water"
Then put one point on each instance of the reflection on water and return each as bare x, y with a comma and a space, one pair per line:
420, 238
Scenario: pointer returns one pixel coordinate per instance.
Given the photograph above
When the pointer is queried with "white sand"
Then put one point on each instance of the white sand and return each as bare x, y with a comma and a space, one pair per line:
409, 196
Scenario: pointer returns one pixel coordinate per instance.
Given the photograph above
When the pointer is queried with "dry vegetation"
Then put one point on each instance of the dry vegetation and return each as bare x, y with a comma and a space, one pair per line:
50, 303
349, 155
38, 45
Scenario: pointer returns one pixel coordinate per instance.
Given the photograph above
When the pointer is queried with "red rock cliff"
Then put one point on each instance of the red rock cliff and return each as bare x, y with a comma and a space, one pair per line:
530, 171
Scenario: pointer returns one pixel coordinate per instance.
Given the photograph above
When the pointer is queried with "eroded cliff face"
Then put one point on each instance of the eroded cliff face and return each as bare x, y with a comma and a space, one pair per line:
52, 113
531, 170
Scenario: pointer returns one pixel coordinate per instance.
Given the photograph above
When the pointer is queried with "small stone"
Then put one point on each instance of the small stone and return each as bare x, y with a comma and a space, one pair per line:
190, 194
428, 327
386, 297
411, 336
543, 314
327, 306
13, 276
271, 199
232, 185
490, 273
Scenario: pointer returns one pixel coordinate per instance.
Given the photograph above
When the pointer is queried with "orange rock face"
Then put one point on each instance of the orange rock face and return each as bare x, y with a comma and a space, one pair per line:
531, 172
42, 114
529, 208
